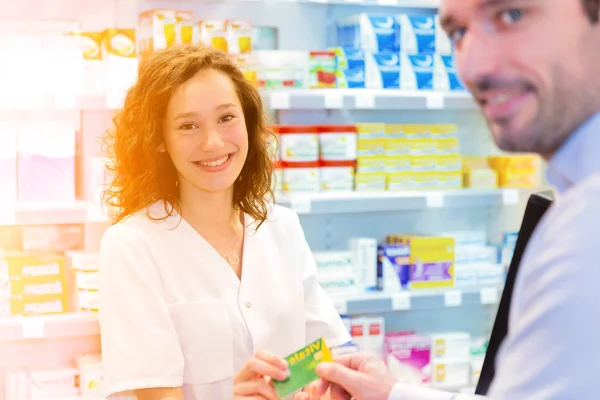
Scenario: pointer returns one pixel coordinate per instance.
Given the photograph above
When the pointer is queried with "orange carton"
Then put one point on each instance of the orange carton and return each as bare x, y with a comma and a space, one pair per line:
239, 36
213, 33
156, 30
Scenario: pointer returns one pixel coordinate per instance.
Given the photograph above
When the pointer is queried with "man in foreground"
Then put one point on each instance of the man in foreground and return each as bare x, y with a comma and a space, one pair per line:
533, 66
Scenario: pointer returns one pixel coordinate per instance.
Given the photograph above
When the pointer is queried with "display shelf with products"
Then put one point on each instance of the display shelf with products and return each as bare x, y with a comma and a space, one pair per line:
358, 202
399, 156
78, 212
48, 326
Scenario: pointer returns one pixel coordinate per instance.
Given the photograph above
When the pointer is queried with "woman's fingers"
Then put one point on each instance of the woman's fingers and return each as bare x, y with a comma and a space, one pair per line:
266, 364
257, 388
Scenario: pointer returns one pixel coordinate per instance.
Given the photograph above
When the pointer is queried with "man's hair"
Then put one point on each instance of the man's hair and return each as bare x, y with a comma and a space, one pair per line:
591, 8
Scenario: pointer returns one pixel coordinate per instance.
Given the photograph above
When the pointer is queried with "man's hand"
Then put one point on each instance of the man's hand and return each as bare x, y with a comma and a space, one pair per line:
360, 376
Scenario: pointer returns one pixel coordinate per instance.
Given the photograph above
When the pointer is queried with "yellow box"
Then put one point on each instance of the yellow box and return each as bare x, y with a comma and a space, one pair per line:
475, 162
415, 131
514, 178
394, 131
446, 146
431, 260
400, 181
119, 43
449, 163
420, 147
187, 31
523, 162
213, 33
449, 180
424, 180
91, 43
32, 268
370, 131
370, 146
39, 305
368, 182
484, 178
370, 164
239, 36
398, 164
397, 146
423, 163
441, 131
156, 30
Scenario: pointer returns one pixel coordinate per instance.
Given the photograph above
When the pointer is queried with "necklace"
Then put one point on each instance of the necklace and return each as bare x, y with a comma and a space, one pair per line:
232, 258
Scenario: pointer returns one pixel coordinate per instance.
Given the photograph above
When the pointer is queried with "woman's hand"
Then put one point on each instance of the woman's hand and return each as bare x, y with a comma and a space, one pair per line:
253, 382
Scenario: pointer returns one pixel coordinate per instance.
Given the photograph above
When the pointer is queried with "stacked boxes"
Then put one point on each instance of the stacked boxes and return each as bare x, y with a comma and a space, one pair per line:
516, 171
390, 51
33, 285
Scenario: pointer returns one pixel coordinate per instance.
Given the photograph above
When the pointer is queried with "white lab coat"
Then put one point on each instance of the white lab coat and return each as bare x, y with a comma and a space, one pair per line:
173, 313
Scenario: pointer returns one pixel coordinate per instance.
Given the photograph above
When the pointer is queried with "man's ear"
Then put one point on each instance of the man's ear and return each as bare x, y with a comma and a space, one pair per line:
161, 148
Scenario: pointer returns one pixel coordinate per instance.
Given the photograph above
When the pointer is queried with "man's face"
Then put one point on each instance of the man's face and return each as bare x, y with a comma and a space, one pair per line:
533, 66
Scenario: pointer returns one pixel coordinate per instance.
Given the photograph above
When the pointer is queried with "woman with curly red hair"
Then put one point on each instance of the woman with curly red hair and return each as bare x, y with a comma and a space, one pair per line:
201, 270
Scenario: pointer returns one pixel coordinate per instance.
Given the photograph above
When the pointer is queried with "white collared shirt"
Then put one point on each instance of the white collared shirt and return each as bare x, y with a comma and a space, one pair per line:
173, 313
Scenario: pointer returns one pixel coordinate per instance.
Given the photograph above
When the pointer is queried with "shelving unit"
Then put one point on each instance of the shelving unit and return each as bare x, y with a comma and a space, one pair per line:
360, 202
60, 326
80, 212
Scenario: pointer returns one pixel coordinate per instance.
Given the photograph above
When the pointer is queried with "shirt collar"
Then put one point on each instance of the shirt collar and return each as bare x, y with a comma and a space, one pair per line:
578, 157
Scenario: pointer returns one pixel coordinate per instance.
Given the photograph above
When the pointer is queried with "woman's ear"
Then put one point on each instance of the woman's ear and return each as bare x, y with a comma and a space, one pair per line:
162, 148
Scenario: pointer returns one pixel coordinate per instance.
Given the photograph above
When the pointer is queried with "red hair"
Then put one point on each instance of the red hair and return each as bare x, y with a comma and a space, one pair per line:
141, 174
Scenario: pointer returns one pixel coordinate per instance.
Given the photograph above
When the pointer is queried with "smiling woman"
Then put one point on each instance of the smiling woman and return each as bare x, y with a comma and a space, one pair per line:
201, 276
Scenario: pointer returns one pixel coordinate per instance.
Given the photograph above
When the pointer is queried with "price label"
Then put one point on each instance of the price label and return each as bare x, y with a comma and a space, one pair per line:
489, 296
401, 301
435, 200
510, 197
435, 101
334, 100
387, 2
364, 100
280, 101
341, 306
300, 204
33, 327
453, 298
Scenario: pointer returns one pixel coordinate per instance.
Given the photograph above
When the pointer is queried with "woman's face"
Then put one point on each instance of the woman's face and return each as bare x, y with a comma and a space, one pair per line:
205, 132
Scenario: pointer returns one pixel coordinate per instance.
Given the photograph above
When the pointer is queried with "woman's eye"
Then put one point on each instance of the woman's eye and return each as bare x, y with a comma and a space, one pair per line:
226, 118
187, 127
511, 16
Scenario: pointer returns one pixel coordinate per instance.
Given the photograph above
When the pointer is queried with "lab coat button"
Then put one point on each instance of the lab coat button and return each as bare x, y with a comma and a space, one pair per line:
248, 304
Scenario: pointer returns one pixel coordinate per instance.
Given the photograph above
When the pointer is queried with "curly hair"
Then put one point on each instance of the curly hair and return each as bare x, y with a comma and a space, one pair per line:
141, 174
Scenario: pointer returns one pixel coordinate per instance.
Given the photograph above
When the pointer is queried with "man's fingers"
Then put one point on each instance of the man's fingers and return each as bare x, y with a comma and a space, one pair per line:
301, 396
353, 361
338, 393
257, 388
339, 374
318, 388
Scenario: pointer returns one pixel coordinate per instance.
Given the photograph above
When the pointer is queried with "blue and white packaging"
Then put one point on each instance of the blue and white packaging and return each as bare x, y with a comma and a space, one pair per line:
417, 71
417, 33
371, 33
349, 58
446, 76
351, 78
382, 70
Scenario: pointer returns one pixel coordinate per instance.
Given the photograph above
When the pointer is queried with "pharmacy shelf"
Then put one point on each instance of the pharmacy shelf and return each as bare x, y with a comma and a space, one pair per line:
79, 212
48, 327
292, 99
367, 99
417, 300
360, 202
428, 4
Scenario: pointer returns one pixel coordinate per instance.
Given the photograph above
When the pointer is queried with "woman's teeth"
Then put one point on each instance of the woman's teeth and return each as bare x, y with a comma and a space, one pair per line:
215, 163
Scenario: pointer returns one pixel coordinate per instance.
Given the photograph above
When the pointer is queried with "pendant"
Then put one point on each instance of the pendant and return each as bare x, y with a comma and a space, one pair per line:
231, 259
